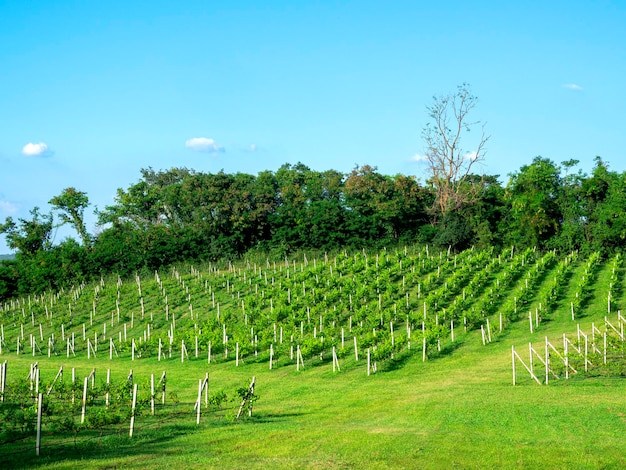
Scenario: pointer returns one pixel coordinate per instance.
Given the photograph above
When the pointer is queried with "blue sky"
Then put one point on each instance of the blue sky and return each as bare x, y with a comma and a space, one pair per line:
93, 91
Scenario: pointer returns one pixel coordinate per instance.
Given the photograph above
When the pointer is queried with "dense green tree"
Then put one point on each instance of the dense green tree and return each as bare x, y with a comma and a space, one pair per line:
407, 210
145, 202
324, 210
309, 209
71, 205
9, 278
533, 193
29, 236
571, 232
368, 198
118, 249
289, 219
605, 201
477, 223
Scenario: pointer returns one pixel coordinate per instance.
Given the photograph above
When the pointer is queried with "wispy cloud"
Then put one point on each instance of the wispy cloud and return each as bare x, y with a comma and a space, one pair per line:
203, 144
572, 86
36, 150
7, 208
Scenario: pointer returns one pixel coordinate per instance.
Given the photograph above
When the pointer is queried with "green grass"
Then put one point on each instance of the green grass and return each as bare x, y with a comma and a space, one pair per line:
456, 410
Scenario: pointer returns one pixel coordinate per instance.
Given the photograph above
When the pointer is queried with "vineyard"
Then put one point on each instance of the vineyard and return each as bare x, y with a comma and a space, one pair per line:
68, 357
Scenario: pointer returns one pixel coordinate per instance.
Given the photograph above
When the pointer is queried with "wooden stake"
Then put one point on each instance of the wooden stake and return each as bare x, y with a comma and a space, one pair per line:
39, 406
132, 415
82, 415
152, 393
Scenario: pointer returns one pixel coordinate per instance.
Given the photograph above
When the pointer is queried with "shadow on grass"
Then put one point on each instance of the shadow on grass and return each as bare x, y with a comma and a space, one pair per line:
401, 358
90, 447
64, 448
272, 417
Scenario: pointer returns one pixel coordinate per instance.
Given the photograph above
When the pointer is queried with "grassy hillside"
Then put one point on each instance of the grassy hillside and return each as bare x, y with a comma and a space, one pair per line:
437, 395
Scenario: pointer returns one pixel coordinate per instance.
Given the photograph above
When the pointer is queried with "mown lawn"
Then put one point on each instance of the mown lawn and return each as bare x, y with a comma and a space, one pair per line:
458, 411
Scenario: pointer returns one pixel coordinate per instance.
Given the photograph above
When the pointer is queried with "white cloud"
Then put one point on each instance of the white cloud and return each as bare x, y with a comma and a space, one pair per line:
470, 156
573, 86
7, 207
418, 158
36, 150
203, 144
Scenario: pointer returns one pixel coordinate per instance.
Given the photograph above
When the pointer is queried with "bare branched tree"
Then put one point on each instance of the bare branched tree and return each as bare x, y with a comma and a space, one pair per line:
450, 165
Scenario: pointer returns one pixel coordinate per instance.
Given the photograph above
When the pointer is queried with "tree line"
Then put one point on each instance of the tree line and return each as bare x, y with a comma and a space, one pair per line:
181, 214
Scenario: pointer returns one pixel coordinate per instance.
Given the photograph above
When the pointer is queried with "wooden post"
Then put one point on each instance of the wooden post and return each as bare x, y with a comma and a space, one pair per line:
565, 353
106, 398
82, 415
604, 341
335, 361
247, 398
299, 359
38, 443
369, 368
3, 380
198, 402
271, 355
547, 361
513, 362
163, 387
356, 351
132, 414
152, 393
408, 334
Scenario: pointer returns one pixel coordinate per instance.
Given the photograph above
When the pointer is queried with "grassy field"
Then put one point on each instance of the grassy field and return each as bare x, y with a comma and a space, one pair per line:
458, 409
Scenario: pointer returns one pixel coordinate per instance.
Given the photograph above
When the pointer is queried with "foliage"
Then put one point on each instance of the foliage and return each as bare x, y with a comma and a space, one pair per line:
28, 236
182, 215
71, 204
